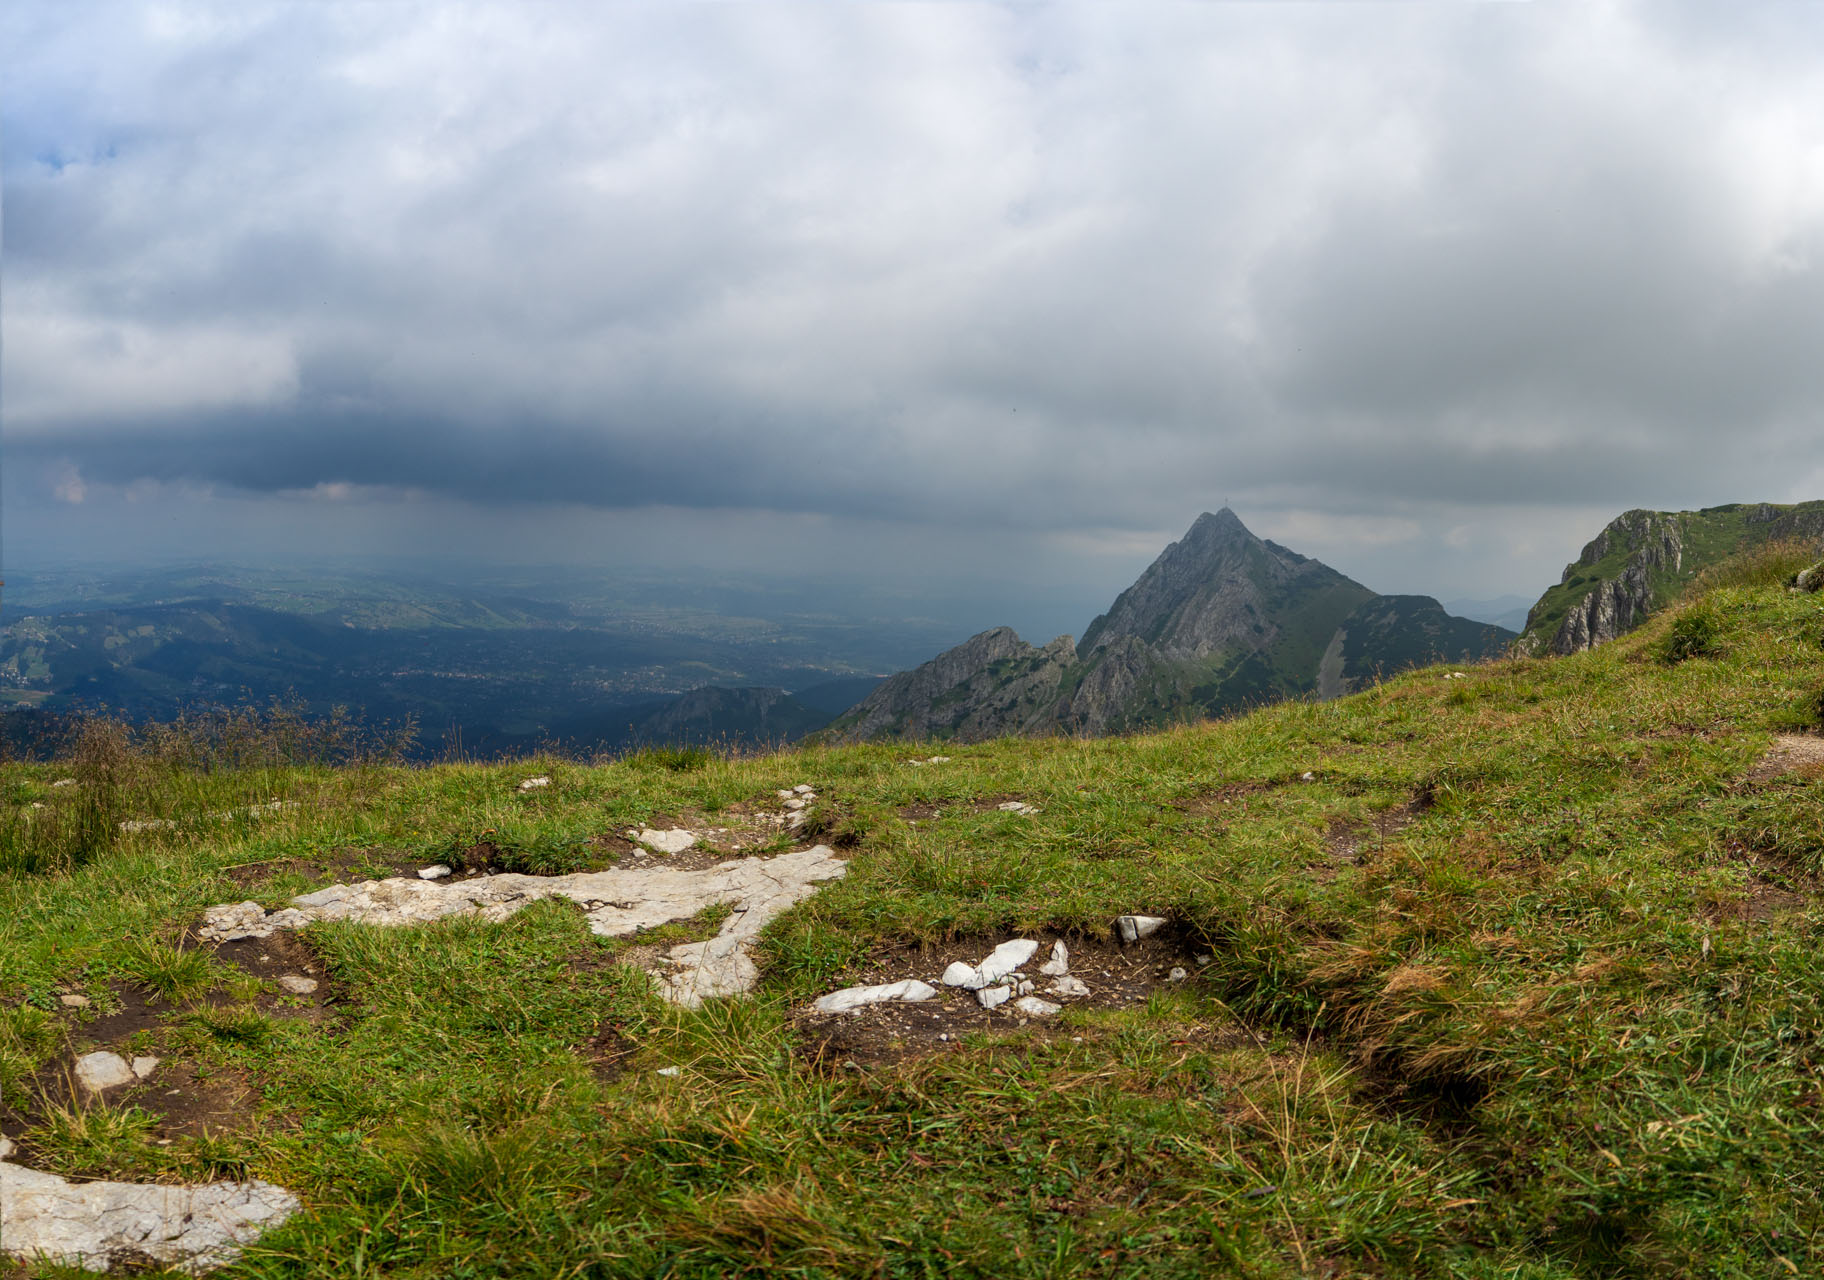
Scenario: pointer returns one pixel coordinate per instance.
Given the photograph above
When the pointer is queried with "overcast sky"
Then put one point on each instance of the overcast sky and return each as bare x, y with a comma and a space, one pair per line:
985, 297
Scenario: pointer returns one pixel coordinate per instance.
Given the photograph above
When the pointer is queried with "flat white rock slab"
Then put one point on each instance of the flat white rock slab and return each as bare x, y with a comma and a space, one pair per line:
1059, 964
911, 991
616, 903
89, 1224
1134, 928
1005, 958
1036, 1007
989, 997
102, 1070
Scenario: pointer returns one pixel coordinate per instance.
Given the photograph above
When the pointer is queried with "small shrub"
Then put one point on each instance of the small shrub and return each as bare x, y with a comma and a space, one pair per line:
1695, 633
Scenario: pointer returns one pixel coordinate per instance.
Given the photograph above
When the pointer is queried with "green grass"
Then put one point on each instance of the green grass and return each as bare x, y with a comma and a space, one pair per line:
1567, 1021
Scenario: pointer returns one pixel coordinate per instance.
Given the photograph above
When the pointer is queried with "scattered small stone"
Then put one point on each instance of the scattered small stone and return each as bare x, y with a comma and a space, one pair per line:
962, 974
533, 784
804, 789
74, 1002
1068, 986
297, 984
785, 795
853, 998
1307, 776
1177, 974
1023, 987
669, 1071
1016, 806
1202, 961
667, 841
144, 1067
796, 803
1455, 675
1134, 928
943, 1035
1036, 1007
436, 872
64, 782
101, 1070
1059, 963
989, 997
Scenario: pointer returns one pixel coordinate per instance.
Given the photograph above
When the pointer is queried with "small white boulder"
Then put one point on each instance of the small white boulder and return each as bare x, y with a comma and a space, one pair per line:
961, 974
1066, 985
534, 784
1036, 1007
668, 1071
989, 997
101, 1070
437, 872
1176, 975
1059, 963
1006, 958
804, 789
849, 998
298, 984
1134, 928
73, 1002
144, 1067
667, 841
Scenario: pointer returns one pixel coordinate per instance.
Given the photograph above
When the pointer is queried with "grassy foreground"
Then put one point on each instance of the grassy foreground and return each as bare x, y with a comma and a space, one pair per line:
1525, 981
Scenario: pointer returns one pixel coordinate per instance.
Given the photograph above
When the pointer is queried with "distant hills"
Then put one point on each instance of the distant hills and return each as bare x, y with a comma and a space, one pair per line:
1644, 559
1222, 620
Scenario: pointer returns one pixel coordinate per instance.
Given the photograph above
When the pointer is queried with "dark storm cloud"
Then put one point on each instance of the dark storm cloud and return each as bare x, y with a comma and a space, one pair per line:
1056, 267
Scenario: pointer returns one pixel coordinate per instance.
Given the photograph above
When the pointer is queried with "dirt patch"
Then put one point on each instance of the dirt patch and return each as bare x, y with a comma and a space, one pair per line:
1222, 801
285, 954
1346, 841
1791, 753
330, 868
1117, 977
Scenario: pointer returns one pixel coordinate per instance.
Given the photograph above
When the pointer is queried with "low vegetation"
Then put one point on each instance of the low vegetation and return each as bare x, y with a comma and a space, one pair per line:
1511, 970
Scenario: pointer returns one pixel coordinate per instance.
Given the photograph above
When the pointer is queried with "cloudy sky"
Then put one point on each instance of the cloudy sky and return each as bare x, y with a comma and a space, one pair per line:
981, 297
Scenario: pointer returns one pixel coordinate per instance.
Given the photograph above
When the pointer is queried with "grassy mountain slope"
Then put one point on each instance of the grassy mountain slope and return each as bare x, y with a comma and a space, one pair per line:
1508, 975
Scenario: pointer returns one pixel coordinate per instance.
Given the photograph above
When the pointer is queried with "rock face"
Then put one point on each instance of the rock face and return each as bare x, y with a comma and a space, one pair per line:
1644, 559
1222, 620
91, 1224
616, 903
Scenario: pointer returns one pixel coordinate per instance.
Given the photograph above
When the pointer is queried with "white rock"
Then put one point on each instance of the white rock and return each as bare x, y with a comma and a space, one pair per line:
1307, 776
1036, 1007
436, 872
134, 825
785, 795
89, 1224
803, 789
533, 784
961, 974
298, 984
6, 1146
796, 803
1176, 975
143, 1067
910, 991
634, 898
667, 841
1059, 962
1205, 960
1016, 806
102, 1070
1065, 985
1006, 958
1134, 928
1023, 987
64, 782
992, 996
668, 1071
73, 1002
938, 760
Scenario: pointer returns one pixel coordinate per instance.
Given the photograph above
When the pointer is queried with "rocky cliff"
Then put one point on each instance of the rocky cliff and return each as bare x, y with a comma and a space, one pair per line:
1644, 560
1221, 621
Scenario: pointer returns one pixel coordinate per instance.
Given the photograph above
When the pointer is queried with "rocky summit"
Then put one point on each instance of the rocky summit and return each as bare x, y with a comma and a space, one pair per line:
1222, 620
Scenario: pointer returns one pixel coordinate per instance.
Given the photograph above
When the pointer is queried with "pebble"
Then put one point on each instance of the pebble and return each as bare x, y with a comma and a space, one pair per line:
533, 784
670, 1071
6, 1147
437, 872
1176, 975
796, 802
297, 984
74, 1002
1023, 987
143, 1067
102, 1070
64, 782
1036, 1007
785, 795
1016, 806
1205, 960
1068, 986
1307, 776
804, 789
989, 997
962, 974
853, 998
1059, 964
1134, 928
